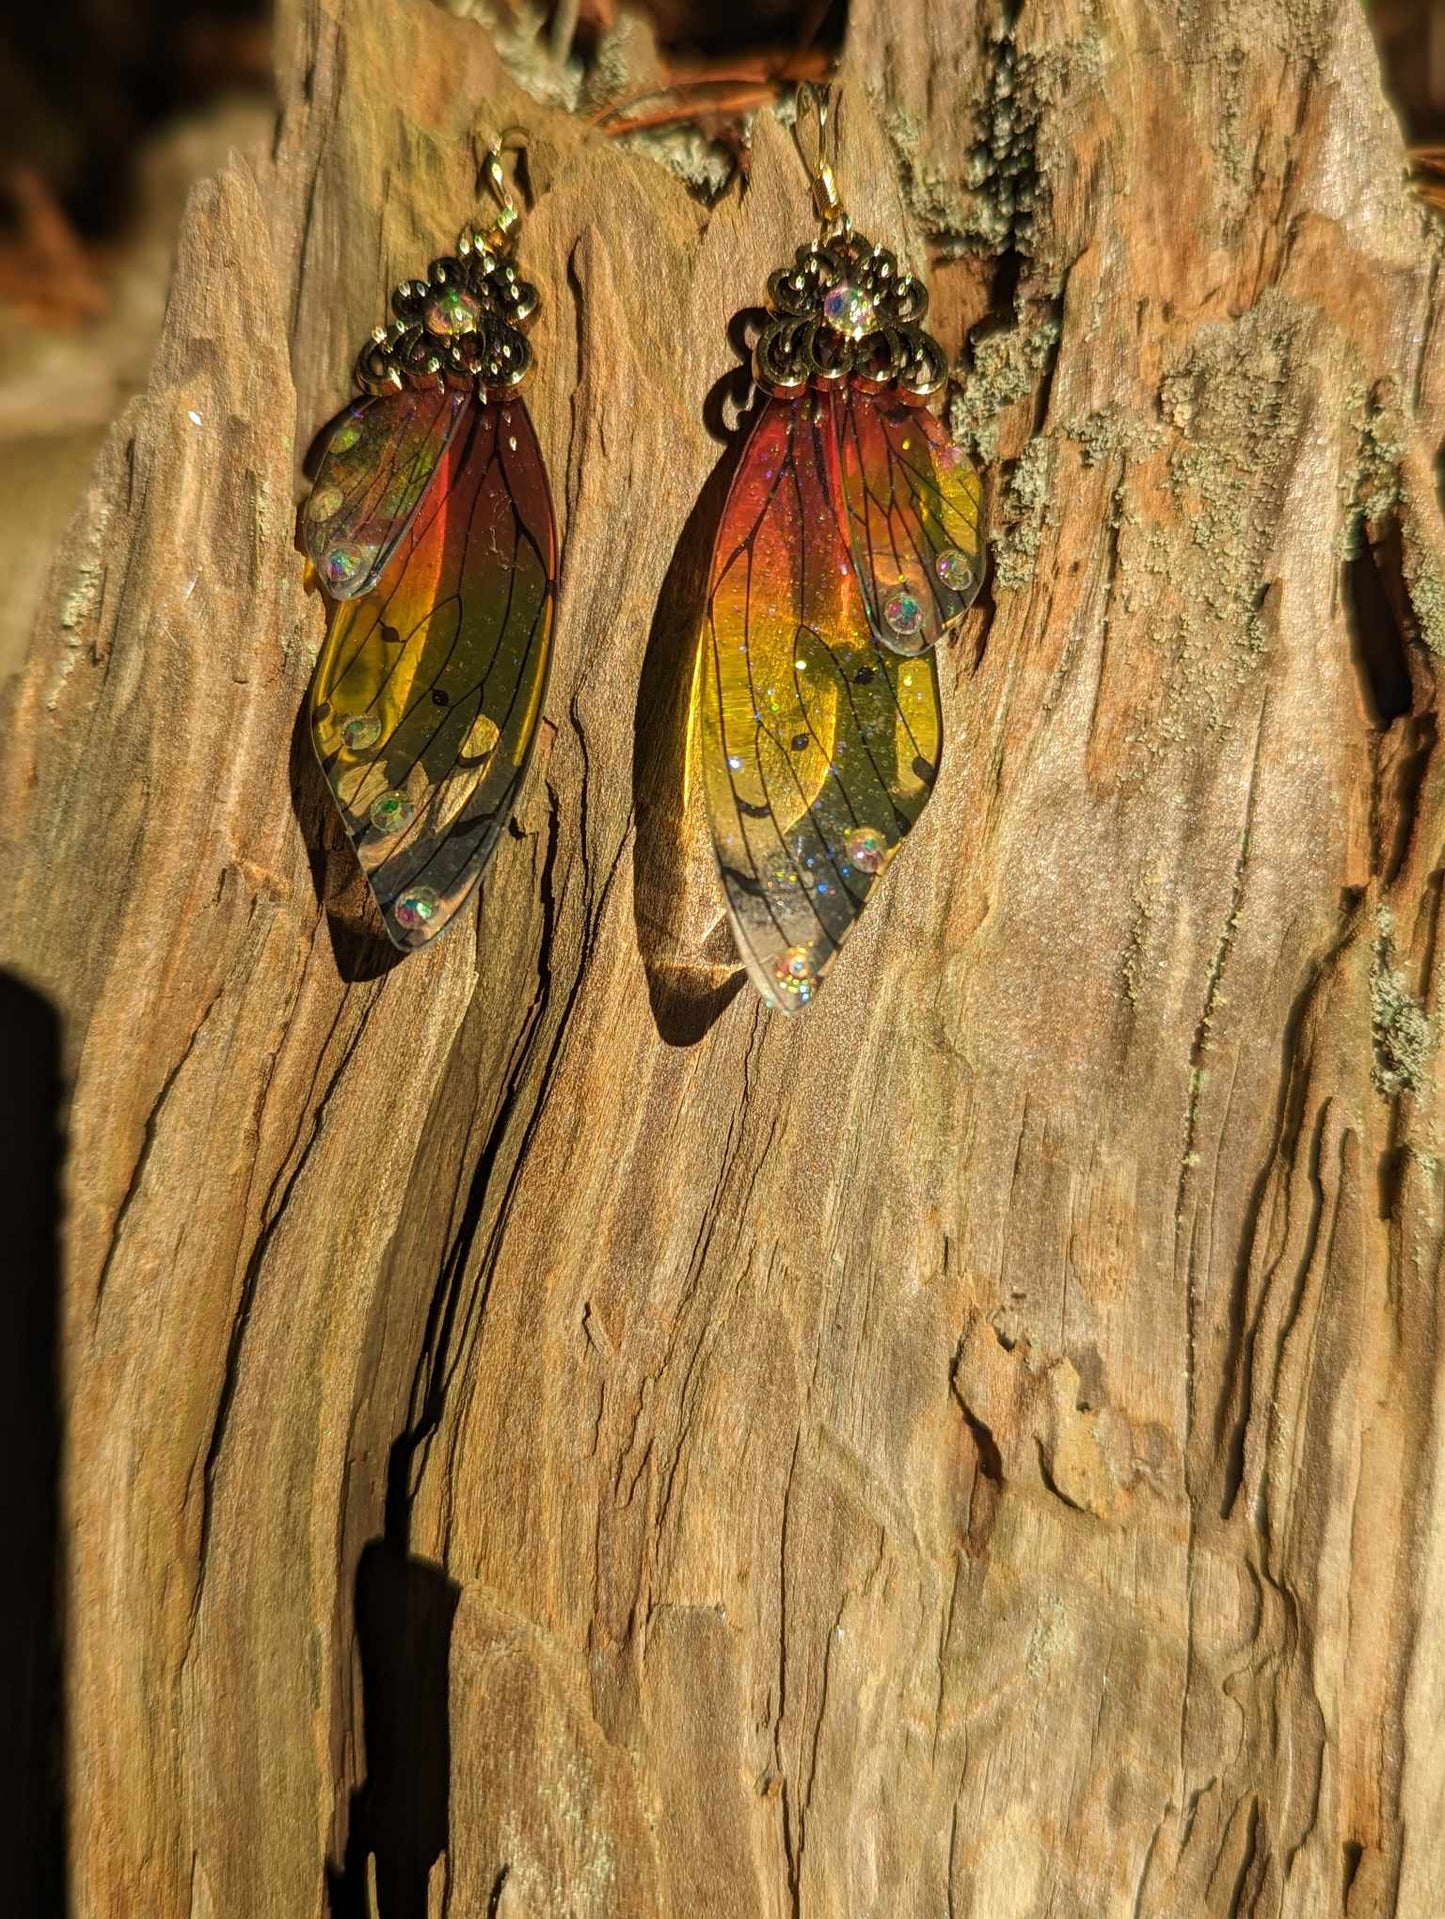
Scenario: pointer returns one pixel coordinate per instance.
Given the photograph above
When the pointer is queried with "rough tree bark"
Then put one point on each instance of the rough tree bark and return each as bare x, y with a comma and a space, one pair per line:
545, 1437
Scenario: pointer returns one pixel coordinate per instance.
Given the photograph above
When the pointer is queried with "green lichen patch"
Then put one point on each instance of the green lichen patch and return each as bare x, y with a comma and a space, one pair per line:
1237, 413
1022, 513
1006, 364
1380, 488
706, 165
1003, 176
1135, 965
1403, 1032
1111, 430
625, 57
84, 595
523, 41
1425, 586
936, 198
1231, 45
1006, 197
1113, 433
1195, 513
1370, 483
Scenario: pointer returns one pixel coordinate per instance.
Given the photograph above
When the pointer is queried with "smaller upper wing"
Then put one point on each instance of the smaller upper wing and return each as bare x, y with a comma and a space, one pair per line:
379, 460
914, 507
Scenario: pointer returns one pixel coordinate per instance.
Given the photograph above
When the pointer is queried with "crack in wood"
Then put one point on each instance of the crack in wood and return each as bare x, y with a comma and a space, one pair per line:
272, 1217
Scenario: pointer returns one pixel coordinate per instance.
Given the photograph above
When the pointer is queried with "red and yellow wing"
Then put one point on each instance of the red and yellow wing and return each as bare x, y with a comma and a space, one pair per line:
426, 697
816, 747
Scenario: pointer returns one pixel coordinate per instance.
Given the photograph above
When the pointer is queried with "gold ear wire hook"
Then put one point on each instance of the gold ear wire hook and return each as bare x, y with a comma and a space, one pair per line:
817, 110
503, 230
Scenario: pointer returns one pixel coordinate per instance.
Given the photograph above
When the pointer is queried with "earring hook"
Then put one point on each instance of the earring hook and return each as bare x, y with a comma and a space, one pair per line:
816, 125
491, 174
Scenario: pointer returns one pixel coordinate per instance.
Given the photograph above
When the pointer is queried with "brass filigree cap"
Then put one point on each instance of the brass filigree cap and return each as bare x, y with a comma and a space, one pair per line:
844, 311
460, 326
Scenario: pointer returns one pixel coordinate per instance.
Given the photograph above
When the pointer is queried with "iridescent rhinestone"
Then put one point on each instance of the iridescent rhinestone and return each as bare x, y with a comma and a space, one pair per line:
867, 848
796, 974
903, 611
391, 811
362, 731
955, 569
451, 312
849, 310
345, 438
735, 762
416, 908
343, 563
326, 504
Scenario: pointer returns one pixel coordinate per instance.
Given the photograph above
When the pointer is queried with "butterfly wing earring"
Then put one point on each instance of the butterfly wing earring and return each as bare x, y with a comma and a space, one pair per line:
850, 544
430, 525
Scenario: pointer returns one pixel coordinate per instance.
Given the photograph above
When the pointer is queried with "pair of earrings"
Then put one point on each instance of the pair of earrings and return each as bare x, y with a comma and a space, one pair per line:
850, 543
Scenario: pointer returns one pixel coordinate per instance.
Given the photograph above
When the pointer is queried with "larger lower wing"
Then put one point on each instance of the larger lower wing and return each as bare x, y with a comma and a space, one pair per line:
817, 748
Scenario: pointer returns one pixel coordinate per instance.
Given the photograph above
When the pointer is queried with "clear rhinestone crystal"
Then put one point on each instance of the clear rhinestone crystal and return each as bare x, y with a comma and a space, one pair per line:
867, 849
903, 611
417, 907
849, 309
392, 811
343, 563
362, 731
451, 312
955, 569
796, 974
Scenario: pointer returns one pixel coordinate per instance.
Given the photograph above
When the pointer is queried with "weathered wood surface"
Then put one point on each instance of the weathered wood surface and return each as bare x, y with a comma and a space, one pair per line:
544, 1437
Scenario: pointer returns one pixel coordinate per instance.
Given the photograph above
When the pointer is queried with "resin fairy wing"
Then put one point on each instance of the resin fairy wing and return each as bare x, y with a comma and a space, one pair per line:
380, 455
817, 748
426, 697
914, 508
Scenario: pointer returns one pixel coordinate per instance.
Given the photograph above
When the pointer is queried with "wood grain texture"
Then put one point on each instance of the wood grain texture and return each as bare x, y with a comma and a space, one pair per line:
545, 1437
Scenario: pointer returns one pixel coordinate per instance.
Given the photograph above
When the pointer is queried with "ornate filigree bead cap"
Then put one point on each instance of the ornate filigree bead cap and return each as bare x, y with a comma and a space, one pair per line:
460, 326
464, 324
844, 311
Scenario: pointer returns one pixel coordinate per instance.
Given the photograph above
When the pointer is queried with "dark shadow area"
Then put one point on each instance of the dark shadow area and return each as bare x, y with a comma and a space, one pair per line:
358, 936
973, 635
32, 1806
722, 28
1376, 641
405, 1606
398, 1815
688, 987
1396, 691
84, 84
1352, 1853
